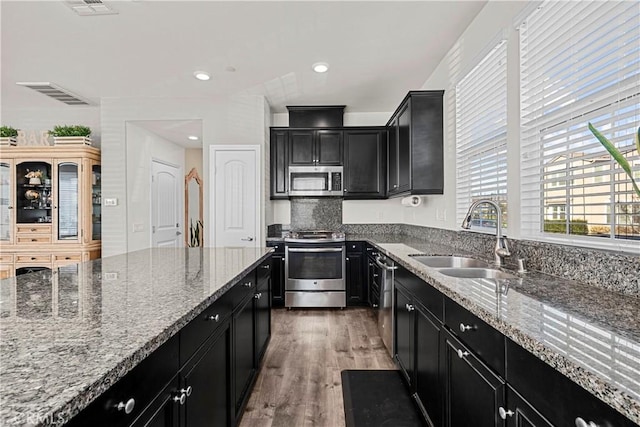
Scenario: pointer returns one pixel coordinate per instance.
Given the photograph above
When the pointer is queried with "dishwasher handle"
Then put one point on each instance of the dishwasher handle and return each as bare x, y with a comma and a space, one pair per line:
385, 266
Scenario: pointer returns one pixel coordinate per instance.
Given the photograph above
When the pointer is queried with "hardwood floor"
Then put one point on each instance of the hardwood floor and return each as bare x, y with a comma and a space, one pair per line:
299, 383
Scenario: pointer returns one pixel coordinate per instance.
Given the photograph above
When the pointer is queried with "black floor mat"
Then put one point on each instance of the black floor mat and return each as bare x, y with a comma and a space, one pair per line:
376, 399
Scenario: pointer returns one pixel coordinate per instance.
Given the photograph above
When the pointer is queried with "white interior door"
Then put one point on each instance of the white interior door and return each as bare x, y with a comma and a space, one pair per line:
166, 205
235, 197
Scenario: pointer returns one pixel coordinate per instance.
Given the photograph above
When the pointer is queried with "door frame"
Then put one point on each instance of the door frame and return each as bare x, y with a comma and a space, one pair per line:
180, 195
213, 149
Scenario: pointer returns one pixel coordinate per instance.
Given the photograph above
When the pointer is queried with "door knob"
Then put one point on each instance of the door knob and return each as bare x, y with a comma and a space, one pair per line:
248, 239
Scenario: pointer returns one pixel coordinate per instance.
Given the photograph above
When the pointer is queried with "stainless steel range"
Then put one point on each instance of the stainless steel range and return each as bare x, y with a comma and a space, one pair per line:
315, 269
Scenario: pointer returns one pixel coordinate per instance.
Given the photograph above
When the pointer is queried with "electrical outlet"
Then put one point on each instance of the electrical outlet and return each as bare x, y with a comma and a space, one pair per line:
111, 276
138, 228
111, 202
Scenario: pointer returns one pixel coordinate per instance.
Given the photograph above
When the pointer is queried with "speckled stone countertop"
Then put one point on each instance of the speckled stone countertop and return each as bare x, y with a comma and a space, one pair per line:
66, 337
589, 334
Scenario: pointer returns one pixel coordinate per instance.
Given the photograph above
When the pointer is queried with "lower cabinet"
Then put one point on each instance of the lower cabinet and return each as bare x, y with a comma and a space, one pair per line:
519, 413
405, 338
472, 392
427, 364
203, 375
277, 274
355, 279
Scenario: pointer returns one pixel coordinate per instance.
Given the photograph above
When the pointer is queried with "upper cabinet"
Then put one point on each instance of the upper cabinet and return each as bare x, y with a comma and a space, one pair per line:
279, 163
416, 145
365, 163
315, 147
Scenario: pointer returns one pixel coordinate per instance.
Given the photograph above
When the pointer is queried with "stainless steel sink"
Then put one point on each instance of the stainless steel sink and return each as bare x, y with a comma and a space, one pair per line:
476, 273
448, 261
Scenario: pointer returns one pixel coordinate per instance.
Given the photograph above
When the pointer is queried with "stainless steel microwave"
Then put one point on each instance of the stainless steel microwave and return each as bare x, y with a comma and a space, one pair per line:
315, 181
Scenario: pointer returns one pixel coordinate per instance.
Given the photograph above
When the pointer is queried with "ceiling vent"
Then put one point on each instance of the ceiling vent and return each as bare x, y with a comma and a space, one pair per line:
90, 7
55, 92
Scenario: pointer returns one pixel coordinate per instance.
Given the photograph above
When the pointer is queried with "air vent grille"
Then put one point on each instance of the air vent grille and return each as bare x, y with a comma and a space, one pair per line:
90, 7
56, 92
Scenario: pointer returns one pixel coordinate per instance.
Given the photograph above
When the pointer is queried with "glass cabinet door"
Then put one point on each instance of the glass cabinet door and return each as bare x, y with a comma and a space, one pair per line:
96, 201
33, 192
67, 201
6, 201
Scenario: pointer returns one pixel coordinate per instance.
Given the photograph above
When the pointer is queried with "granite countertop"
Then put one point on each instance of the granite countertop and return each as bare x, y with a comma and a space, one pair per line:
65, 338
589, 334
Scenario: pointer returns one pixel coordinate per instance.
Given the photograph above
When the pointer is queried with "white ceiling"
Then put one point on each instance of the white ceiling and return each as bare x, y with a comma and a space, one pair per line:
176, 131
377, 51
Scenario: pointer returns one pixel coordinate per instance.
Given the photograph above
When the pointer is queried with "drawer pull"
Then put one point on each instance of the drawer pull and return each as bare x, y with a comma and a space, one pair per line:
187, 391
33, 258
34, 229
247, 284
67, 257
374, 305
410, 307
582, 423
34, 240
505, 413
213, 318
127, 407
258, 295
464, 327
462, 354
375, 275
266, 266
180, 398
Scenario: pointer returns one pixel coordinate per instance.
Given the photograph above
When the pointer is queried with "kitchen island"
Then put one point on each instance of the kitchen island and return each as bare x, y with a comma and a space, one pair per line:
66, 337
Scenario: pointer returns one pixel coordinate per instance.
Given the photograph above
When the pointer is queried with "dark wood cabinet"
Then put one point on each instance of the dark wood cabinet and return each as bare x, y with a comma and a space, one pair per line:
355, 275
315, 147
279, 164
243, 351
374, 274
519, 413
472, 393
262, 317
365, 163
277, 274
415, 160
427, 364
206, 383
404, 329
163, 411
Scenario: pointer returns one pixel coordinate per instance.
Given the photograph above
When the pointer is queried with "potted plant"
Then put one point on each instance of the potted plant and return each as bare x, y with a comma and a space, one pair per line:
66, 134
8, 135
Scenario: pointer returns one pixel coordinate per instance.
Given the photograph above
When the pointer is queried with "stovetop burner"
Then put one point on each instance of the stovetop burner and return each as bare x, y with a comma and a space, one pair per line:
314, 236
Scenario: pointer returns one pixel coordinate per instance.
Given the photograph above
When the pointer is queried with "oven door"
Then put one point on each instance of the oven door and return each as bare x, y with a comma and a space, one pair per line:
315, 267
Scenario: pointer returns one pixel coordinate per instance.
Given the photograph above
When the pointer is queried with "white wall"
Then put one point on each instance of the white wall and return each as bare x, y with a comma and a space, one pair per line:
193, 159
142, 147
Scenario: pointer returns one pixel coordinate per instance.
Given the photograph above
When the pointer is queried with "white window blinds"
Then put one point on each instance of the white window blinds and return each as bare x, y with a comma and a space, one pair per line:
481, 138
580, 63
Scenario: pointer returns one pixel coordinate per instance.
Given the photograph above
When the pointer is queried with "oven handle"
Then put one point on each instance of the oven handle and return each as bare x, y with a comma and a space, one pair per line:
315, 249
385, 266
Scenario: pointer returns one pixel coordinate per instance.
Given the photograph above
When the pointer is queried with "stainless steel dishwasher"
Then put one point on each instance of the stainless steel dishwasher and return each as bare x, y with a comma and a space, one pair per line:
385, 310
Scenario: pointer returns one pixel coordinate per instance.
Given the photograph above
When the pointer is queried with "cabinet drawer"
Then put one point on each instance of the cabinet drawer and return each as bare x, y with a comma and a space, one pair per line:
32, 258
484, 340
264, 270
77, 257
245, 286
555, 396
33, 228
355, 247
33, 238
6, 258
278, 247
142, 384
426, 294
206, 323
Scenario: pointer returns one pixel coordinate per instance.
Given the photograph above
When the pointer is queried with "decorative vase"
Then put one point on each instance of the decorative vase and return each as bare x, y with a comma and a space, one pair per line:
34, 181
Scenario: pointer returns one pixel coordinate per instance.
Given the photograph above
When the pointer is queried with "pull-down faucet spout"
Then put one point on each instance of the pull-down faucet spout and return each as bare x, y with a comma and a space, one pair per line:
502, 248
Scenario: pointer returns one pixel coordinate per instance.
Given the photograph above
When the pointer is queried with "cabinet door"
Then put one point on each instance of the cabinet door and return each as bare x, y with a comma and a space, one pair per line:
163, 411
263, 318
243, 350
373, 281
277, 280
472, 392
364, 164
428, 384
301, 147
94, 219
405, 339
519, 413
356, 289
7, 201
392, 163
67, 201
404, 148
328, 147
279, 164
34, 196
206, 381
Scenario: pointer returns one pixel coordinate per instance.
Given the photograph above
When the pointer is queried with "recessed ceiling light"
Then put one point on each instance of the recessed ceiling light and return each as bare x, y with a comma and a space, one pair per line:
320, 67
202, 75
193, 137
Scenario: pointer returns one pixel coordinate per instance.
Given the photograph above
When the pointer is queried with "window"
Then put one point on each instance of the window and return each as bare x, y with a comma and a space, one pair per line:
580, 63
481, 138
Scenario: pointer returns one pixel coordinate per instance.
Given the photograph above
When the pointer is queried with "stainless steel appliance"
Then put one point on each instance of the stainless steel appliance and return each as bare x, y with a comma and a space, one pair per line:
315, 181
385, 309
315, 269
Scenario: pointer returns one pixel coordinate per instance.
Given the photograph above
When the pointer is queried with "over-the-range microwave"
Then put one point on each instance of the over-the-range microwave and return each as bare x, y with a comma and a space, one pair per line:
315, 181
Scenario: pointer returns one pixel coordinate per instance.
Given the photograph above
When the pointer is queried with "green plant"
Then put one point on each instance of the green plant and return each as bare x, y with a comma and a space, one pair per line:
8, 132
195, 233
617, 155
576, 226
77, 130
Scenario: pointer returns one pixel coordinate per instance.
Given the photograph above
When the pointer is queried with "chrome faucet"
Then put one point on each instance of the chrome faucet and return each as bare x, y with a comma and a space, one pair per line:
502, 248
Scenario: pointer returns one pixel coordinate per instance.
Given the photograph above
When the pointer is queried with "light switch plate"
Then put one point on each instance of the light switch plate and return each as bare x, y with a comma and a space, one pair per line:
111, 202
138, 228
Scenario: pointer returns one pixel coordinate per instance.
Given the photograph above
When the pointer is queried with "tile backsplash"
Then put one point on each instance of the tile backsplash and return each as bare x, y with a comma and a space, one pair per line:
316, 214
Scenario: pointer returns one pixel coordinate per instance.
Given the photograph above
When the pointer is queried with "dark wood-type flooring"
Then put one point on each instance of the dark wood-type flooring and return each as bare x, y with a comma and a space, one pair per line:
299, 383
